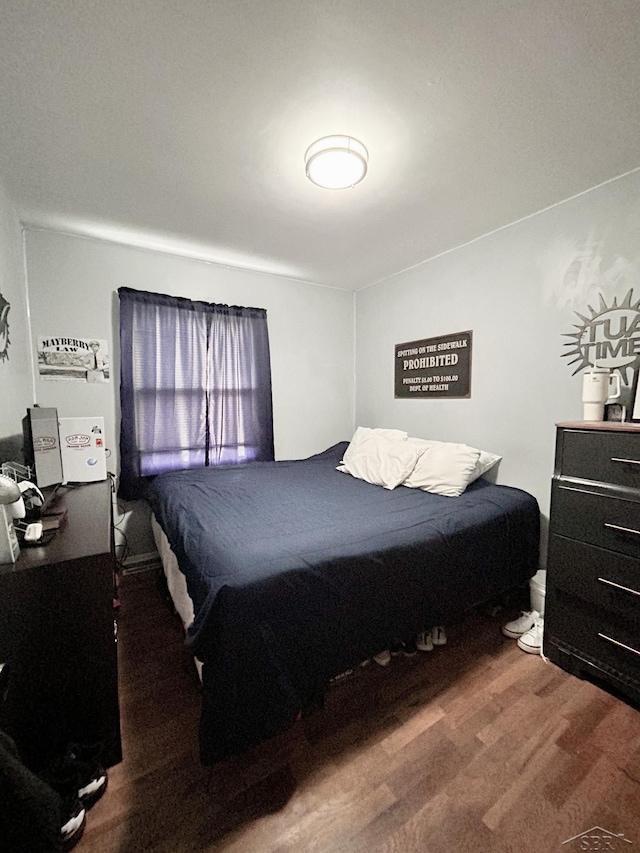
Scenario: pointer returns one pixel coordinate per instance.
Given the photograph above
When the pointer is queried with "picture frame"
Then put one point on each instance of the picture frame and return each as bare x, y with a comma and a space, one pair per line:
615, 412
634, 414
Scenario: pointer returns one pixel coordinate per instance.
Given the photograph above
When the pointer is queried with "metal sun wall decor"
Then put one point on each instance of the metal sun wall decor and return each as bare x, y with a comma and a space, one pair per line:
4, 328
609, 337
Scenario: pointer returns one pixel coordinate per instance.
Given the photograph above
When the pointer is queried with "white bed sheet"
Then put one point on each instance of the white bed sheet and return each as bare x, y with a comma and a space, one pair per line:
176, 581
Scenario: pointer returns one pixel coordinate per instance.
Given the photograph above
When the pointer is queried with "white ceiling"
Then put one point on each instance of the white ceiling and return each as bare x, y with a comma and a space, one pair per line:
182, 124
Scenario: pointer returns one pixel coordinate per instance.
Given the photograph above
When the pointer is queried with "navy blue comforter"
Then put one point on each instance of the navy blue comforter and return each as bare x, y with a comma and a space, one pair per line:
298, 572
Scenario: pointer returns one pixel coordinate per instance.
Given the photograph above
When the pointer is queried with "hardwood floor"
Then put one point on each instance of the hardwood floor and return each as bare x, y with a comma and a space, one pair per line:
473, 747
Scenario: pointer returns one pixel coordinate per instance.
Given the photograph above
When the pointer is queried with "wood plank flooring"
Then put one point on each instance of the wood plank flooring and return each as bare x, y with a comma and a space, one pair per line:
473, 747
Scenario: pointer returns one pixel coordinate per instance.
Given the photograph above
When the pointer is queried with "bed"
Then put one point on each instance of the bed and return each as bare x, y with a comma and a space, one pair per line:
292, 572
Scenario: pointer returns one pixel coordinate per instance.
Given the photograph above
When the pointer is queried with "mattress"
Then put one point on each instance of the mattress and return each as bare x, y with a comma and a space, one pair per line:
176, 581
297, 572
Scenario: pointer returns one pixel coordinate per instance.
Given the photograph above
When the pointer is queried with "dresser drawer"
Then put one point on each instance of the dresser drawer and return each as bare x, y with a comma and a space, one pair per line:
611, 523
606, 579
594, 635
606, 457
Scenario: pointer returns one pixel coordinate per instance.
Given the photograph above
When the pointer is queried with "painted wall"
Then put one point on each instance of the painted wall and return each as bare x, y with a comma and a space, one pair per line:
15, 373
518, 290
72, 292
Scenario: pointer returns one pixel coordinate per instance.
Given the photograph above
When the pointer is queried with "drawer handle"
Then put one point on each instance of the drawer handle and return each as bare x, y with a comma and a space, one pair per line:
618, 643
623, 529
619, 586
628, 461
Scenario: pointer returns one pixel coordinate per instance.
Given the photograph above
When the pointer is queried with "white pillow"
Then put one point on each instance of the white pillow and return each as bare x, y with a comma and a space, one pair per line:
443, 468
485, 461
362, 434
380, 460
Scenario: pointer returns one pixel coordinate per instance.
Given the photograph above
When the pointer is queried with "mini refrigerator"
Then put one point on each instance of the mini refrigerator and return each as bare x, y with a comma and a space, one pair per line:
84, 458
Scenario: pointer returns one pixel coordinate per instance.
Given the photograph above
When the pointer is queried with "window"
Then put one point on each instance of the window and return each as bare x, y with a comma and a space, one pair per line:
195, 386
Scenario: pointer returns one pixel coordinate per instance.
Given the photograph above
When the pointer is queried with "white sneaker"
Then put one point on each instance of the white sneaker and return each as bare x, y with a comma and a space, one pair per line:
424, 641
517, 627
438, 636
383, 659
531, 640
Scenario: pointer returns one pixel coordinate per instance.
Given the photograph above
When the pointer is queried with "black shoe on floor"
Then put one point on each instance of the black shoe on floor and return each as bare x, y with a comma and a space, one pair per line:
85, 760
409, 648
72, 812
74, 818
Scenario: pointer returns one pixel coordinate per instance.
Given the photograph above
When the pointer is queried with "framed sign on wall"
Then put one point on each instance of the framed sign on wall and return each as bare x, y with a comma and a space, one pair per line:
434, 367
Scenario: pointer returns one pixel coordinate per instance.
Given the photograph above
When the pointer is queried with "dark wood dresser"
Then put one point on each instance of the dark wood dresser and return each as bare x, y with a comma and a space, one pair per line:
57, 635
592, 607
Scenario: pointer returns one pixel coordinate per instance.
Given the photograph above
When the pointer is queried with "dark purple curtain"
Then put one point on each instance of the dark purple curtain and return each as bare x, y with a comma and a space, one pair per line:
195, 386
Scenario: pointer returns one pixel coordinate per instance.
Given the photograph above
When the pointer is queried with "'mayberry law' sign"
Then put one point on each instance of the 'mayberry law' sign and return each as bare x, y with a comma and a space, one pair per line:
434, 367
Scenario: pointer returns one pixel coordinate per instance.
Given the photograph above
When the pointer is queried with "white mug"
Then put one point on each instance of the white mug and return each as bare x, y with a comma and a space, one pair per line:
598, 386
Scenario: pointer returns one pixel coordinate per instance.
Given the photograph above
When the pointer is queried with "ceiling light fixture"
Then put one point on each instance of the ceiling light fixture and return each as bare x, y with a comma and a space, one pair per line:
336, 162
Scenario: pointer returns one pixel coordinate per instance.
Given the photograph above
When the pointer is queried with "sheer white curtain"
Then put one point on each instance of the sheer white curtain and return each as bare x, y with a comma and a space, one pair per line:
195, 386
